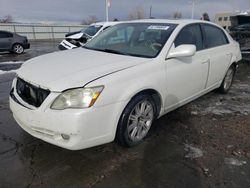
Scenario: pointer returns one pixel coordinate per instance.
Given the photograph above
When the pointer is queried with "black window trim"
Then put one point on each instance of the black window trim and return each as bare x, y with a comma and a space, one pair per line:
204, 35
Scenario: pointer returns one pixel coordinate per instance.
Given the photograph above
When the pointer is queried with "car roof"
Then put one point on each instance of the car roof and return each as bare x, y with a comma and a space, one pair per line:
173, 21
106, 23
181, 22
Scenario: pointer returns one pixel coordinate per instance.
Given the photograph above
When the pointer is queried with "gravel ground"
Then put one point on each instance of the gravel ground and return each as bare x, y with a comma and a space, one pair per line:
202, 144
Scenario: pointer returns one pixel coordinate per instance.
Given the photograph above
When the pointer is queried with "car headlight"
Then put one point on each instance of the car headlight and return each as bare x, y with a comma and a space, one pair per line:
77, 98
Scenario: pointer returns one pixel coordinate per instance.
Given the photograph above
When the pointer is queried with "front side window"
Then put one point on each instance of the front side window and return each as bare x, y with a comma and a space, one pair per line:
214, 36
190, 35
134, 39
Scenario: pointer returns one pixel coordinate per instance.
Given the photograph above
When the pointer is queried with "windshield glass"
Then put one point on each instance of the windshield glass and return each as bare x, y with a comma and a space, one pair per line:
92, 30
135, 39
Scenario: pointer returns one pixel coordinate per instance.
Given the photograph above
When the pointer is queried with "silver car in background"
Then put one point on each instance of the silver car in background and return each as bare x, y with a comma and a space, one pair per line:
13, 42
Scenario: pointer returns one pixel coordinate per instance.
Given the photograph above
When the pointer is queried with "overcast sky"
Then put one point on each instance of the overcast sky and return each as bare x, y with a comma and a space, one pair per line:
76, 10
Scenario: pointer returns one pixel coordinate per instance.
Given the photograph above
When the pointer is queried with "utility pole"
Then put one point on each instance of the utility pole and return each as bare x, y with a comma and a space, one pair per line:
150, 12
107, 10
193, 8
193, 5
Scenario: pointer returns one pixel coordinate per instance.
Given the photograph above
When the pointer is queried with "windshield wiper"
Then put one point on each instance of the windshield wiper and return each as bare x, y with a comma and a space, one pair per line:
106, 50
113, 51
117, 52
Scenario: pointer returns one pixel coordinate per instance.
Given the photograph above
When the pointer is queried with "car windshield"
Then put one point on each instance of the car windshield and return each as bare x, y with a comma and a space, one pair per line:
92, 30
134, 39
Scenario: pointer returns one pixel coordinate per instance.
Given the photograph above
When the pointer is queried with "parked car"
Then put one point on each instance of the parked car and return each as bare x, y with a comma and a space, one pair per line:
79, 38
243, 27
13, 42
75, 32
241, 34
115, 86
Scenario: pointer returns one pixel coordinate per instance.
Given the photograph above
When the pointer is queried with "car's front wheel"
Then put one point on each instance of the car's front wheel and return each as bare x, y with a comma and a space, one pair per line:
17, 49
136, 120
228, 80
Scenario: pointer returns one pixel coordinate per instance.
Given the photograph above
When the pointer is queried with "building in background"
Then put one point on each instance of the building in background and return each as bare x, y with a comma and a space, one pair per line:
227, 20
224, 19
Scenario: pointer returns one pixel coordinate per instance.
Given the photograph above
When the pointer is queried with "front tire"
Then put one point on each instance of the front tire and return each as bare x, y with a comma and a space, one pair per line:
17, 49
228, 80
136, 121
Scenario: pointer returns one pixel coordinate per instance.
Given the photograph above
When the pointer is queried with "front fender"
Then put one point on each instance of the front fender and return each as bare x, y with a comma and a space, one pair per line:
123, 85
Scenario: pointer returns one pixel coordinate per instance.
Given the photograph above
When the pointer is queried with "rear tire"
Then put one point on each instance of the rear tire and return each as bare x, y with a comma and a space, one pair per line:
228, 80
136, 120
17, 49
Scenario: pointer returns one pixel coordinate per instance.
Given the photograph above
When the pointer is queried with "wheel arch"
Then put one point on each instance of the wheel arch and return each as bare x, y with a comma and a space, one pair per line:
16, 43
155, 95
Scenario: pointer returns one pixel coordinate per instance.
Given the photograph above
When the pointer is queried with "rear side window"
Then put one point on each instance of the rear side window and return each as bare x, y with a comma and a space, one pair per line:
5, 34
190, 35
214, 36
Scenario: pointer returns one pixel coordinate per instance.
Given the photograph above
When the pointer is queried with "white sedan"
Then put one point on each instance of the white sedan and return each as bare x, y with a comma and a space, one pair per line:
121, 81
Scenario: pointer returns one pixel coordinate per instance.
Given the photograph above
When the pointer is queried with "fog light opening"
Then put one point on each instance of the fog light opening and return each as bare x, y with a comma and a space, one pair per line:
65, 137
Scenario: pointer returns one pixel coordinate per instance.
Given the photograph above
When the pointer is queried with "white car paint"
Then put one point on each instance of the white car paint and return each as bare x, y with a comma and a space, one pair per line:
176, 80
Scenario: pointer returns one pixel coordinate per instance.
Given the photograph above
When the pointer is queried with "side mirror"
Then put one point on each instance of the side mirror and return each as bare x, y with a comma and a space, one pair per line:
185, 50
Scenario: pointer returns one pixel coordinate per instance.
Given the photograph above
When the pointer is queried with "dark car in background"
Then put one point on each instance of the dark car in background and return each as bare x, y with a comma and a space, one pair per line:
243, 27
13, 42
241, 33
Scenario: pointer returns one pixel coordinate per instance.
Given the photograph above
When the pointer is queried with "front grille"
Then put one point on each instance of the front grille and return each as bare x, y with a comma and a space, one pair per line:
31, 94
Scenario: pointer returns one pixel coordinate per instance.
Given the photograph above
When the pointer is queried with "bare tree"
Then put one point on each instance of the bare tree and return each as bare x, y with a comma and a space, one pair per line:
177, 15
136, 14
89, 20
7, 19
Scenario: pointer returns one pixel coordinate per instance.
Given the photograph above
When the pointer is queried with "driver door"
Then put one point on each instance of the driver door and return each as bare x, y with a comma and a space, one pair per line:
186, 77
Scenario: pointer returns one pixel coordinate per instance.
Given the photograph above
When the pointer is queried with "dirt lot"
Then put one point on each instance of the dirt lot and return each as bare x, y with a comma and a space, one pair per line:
203, 144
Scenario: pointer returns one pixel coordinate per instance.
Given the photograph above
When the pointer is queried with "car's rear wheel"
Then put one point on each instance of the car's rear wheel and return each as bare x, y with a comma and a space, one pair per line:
136, 120
17, 49
228, 80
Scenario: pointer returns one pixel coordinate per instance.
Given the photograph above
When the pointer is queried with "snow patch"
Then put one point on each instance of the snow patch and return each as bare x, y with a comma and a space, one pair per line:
6, 72
219, 111
234, 162
192, 152
11, 62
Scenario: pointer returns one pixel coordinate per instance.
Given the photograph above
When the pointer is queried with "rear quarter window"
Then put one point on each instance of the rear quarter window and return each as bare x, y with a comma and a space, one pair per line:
214, 36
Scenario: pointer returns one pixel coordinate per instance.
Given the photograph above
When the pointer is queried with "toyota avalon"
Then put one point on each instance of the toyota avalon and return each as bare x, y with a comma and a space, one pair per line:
115, 86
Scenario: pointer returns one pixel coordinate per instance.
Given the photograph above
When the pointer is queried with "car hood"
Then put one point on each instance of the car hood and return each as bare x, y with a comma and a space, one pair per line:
75, 36
79, 35
74, 68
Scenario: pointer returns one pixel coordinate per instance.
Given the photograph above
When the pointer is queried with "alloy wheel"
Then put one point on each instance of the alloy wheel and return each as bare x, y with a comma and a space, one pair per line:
140, 120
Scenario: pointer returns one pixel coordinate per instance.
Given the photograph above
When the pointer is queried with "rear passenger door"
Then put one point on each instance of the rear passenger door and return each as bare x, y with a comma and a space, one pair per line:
5, 40
217, 47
